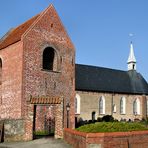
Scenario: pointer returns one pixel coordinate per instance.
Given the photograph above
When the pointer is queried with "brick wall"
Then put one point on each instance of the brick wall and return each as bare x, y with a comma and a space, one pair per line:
134, 139
23, 74
10, 98
48, 31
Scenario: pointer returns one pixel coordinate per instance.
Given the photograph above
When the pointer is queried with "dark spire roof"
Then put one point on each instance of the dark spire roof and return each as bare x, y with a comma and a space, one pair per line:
91, 78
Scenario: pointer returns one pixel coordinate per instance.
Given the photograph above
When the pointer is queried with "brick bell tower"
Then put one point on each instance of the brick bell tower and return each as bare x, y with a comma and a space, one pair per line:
49, 64
47, 71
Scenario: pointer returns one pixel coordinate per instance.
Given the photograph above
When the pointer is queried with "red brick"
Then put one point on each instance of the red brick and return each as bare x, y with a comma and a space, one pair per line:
135, 139
23, 75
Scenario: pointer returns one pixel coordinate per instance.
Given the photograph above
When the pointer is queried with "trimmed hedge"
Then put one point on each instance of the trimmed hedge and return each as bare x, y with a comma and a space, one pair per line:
111, 127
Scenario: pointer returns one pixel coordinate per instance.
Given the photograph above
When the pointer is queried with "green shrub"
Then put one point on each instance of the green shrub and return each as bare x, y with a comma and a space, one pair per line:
111, 127
99, 119
108, 118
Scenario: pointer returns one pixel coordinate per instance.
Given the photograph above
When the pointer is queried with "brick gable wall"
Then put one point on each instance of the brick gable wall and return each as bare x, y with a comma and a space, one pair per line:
24, 75
48, 31
11, 87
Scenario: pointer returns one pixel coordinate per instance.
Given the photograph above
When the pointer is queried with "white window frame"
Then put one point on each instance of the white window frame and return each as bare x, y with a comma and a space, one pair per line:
1, 65
136, 109
77, 109
102, 111
123, 105
147, 106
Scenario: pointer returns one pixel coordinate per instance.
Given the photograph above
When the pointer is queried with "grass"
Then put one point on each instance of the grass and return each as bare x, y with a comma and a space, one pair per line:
111, 127
39, 133
43, 133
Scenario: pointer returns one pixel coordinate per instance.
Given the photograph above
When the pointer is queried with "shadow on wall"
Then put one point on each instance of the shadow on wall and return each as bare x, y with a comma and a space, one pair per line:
1, 131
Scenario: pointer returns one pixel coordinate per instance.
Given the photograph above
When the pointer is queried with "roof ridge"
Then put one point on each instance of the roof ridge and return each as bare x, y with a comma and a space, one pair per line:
6, 34
40, 15
27, 21
17, 32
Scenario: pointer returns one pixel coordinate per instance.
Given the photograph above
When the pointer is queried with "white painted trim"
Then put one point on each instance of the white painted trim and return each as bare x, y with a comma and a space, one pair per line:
123, 99
77, 111
103, 102
138, 106
147, 106
137, 103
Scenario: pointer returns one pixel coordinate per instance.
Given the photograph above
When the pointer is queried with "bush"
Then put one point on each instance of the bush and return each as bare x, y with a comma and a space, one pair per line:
144, 121
91, 121
112, 127
108, 118
99, 119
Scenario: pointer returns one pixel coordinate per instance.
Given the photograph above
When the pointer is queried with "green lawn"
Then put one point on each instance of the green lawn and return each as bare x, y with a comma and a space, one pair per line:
111, 127
43, 133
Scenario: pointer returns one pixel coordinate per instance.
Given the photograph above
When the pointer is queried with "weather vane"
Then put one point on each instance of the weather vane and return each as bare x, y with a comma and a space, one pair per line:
131, 36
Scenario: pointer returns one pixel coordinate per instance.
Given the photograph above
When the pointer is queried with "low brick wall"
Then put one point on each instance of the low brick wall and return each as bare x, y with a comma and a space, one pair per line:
134, 139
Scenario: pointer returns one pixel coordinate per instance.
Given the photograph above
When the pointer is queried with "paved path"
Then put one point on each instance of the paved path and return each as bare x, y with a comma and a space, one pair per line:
38, 143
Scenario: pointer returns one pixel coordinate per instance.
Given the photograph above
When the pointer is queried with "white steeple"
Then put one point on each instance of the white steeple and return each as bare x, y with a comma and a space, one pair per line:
131, 62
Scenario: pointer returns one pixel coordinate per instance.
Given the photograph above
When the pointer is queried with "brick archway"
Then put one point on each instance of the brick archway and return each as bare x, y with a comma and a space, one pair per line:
30, 120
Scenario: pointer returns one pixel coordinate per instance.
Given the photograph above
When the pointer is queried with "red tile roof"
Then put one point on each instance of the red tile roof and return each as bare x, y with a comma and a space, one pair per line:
45, 100
15, 35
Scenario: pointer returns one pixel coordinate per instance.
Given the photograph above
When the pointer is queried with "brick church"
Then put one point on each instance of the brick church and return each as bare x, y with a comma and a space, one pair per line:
43, 89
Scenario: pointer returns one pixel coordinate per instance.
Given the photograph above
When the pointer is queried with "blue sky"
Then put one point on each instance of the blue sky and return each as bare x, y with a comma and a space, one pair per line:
99, 29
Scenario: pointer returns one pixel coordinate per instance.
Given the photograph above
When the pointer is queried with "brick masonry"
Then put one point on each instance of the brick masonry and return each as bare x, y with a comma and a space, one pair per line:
48, 31
37, 39
23, 74
134, 139
11, 87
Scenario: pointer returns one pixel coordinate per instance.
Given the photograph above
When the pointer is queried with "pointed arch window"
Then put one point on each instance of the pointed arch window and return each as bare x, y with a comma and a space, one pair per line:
136, 107
123, 105
102, 105
147, 106
0, 71
77, 104
49, 59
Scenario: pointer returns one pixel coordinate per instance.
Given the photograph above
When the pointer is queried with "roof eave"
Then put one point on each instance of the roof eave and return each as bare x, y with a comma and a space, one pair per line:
113, 92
